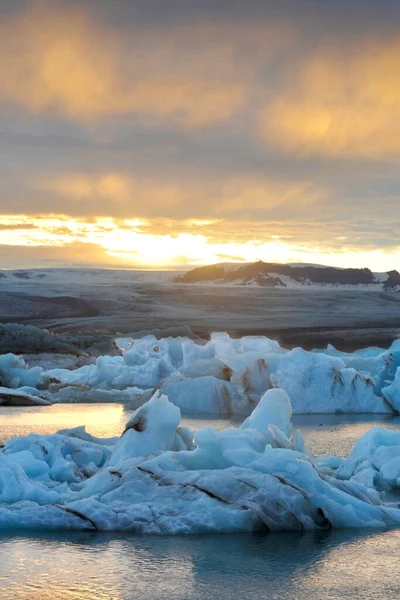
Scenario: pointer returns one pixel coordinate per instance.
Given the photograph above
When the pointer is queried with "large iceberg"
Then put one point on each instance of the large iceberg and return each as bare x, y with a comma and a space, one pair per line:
22, 397
159, 478
222, 376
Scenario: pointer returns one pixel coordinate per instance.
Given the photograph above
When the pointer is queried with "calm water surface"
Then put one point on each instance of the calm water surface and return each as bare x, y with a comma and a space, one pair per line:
311, 566
314, 566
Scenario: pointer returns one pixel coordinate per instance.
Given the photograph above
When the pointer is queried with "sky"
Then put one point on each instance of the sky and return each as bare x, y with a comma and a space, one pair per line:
169, 134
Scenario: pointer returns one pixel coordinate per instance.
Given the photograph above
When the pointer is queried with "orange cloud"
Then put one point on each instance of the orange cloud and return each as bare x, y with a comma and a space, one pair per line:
123, 195
249, 194
57, 58
110, 186
343, 102
59, 239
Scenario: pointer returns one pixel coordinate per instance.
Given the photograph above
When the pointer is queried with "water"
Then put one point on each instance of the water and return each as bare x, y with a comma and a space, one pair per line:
283, 566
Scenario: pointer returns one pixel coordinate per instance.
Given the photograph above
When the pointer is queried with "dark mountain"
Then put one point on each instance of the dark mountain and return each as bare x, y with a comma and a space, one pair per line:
393, 281
209, 273
276, 274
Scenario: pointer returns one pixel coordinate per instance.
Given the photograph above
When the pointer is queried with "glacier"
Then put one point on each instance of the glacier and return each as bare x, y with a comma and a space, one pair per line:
161, 478
222, 376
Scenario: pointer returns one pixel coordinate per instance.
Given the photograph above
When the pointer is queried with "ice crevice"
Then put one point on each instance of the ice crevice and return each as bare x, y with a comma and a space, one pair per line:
161, 478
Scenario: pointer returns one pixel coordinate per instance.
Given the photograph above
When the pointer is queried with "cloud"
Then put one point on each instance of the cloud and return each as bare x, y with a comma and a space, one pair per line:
126, 195
60, 239
251, 195
216, 127
115, 194
343, 102
58, 58
110, 186
75, 253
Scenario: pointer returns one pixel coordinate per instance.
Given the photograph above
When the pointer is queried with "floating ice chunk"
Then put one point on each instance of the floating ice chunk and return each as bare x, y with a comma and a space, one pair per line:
317, 383
40, 468
298, 443
48, 361
381, 367
281, 440
391, 393
327, 463
80, 433
151, 430
21, 397
183, 439
123, 343
167, 351
14, 372
208, 366
223, 449
223, 376
152, 479
251, 374
374, 460
275, 409
192, 352
33, 467
225, 346
204, 395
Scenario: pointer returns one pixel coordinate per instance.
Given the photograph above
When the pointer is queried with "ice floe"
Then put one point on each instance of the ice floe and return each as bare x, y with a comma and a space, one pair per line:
222, 376
160, 478
22, 397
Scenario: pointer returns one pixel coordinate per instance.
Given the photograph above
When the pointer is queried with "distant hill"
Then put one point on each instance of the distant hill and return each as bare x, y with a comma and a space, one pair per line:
265, 274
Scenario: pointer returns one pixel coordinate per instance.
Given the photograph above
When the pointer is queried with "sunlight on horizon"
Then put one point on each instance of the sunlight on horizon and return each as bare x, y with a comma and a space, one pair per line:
166, 244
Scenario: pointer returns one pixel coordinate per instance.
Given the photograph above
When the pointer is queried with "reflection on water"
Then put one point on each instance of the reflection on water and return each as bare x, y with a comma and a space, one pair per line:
337, 434
314, 565
102, 420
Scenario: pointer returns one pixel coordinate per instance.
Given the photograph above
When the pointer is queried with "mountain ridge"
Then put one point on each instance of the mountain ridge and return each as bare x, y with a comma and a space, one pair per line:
266, 274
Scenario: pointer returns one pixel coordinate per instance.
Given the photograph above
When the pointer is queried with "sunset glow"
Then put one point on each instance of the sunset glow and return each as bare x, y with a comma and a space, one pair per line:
139, 243
135, 140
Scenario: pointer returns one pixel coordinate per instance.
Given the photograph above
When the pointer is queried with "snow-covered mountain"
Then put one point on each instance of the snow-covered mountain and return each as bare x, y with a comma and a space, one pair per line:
293, 276
246, 274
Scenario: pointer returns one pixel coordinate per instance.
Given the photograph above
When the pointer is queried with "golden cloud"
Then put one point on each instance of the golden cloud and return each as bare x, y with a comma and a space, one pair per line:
57, 58
343, 102
60, 239
109, 186
249, 194
125, 195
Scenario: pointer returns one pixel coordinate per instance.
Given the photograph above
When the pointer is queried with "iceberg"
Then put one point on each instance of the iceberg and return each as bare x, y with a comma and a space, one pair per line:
391, 393
374, 460
14, 372
22, 397
160, 478
222, 376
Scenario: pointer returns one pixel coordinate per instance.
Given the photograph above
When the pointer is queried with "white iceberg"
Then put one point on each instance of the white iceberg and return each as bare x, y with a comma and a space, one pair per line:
391, 393
274, 409
374, 460
222, 376
154, 480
